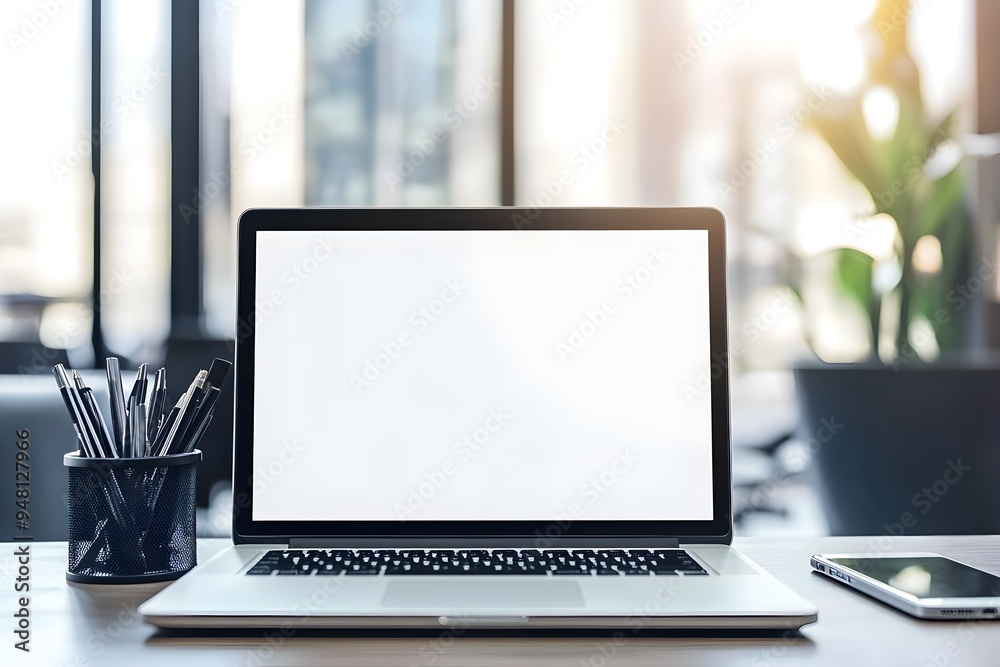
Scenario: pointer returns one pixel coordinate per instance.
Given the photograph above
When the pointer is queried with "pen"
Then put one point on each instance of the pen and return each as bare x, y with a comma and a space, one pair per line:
110, 490
62, 380
86, 424
140, 445
142, 377
202, 402
200, 421
156, 402
191, 399
218, 372
137, 396
117, 402
129, 426
155, 447
103, 444
193, 443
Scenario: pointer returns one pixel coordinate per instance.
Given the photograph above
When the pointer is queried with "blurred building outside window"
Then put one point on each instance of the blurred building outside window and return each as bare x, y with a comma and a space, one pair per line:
344, 103
396, 103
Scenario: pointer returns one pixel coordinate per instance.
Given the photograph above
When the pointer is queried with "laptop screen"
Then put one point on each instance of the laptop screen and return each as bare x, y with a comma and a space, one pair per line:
487, 375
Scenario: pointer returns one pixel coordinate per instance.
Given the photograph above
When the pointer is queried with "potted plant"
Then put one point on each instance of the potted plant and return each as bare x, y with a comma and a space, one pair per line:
917, 451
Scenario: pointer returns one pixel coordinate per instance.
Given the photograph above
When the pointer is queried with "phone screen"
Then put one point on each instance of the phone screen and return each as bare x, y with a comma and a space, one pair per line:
926, 576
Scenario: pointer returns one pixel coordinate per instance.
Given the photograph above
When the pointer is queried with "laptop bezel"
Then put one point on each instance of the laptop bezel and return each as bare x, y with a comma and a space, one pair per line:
246, 530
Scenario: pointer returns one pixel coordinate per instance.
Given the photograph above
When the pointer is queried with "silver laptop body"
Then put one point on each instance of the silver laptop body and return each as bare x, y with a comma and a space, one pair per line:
443, 414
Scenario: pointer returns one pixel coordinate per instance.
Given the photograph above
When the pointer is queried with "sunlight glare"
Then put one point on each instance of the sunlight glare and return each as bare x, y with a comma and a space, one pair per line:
881, 110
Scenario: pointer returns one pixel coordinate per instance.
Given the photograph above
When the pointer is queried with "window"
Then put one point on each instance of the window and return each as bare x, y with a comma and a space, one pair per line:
46, 200
398, 103
135, 173
638, 102
343, 103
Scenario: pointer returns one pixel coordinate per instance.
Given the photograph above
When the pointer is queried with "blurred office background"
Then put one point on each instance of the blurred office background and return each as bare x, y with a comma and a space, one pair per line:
209, 108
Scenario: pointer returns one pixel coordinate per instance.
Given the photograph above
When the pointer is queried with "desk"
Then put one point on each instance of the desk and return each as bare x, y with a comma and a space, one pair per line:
98, 625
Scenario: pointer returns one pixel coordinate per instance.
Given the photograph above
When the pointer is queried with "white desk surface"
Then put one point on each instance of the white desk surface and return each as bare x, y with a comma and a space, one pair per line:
97, 625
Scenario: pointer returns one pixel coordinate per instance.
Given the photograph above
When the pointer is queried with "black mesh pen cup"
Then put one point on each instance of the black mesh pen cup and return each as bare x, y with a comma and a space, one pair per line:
131, 520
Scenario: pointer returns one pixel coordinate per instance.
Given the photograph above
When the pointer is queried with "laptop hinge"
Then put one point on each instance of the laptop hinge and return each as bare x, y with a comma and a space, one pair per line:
477, 542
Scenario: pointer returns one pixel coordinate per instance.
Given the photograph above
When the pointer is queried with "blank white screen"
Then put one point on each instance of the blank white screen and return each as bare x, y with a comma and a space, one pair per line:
482, 375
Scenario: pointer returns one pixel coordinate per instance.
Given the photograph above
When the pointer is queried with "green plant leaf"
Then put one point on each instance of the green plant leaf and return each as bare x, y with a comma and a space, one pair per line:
943, 199
949, 318
943, 131
843, 128
854, 276
893, 171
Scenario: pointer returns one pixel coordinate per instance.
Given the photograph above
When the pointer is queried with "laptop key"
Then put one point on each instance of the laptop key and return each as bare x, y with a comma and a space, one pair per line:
499, 562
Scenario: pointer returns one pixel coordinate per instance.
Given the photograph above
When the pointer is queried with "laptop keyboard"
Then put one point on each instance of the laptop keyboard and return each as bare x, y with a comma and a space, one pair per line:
546, 562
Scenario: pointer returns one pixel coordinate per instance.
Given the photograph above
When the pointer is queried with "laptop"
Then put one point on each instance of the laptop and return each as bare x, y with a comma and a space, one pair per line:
481, 418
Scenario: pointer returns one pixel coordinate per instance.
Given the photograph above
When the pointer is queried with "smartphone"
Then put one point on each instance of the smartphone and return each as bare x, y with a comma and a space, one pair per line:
924, 585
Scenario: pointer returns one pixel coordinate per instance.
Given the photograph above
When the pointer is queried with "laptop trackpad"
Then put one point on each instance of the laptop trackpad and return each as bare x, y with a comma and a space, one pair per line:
482, 594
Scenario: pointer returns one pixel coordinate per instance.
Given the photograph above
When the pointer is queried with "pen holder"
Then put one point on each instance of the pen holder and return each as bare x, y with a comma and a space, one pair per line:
131, 520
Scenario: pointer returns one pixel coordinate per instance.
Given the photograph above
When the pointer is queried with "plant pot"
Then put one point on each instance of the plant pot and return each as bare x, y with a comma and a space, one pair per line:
911, 450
